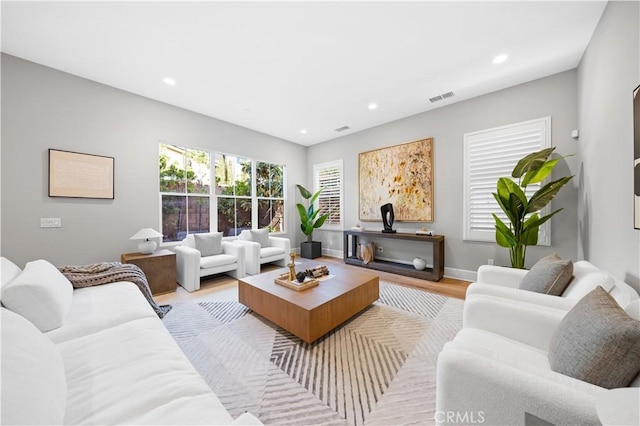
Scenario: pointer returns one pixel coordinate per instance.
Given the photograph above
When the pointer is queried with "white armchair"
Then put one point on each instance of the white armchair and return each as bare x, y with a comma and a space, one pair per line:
260, 248
190, 265
503, 282
497, 370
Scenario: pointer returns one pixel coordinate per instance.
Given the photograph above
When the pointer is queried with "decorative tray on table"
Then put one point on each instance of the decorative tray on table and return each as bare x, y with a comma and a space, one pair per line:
283, 279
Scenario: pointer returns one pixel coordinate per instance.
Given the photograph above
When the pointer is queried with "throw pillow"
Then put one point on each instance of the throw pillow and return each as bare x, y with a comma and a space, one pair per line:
209, 244
9, 271
41, 294
550, 275
34, 386
261, 236
597, 342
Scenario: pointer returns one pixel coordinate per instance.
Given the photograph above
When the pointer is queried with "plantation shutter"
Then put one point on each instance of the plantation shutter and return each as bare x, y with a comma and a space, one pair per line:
492, 154
329, 177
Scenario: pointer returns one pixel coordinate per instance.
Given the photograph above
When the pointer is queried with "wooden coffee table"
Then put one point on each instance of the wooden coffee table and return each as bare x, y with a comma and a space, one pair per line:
312, 313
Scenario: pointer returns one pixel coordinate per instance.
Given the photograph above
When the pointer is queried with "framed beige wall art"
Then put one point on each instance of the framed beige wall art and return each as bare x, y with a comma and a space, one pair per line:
77, 175
401, 175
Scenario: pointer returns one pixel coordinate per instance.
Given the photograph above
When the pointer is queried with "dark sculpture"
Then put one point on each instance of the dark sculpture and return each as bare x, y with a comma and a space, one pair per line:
387, 218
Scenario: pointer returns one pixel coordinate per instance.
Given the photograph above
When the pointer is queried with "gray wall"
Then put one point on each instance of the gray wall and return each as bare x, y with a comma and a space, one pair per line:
555, 96
43, 108
607, 75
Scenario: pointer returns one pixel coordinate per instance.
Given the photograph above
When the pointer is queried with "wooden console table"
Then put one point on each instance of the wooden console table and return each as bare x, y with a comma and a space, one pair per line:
432, 274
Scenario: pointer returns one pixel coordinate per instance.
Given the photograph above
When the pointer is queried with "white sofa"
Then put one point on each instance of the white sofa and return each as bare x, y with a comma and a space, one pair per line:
273, 249
191, 266
497, 366
111, 361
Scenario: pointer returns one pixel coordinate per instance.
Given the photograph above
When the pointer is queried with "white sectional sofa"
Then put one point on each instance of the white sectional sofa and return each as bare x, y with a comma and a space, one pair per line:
98, 355
497, 369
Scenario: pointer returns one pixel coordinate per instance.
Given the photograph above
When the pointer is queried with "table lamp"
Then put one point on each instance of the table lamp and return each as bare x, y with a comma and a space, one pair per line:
147, 246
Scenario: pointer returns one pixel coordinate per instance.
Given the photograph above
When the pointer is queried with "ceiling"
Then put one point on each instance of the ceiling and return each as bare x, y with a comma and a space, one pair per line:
280, 67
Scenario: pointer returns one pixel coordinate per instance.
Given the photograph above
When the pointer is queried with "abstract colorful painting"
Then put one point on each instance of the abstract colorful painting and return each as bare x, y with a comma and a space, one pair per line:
401, 175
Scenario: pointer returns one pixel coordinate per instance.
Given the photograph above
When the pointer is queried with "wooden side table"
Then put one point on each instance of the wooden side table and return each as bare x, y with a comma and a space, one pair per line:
159, 267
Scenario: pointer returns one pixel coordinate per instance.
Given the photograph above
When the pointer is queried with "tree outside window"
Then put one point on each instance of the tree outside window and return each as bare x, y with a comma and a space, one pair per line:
234, 193
185, 184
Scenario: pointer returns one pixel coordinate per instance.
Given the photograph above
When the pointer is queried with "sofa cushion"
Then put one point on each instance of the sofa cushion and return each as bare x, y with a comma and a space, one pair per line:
34, 388
8, 270
271, 251
261, 236
92, 310
597, 342
208, 244
587, 277
135, 373
550, 275
218, 260
41, 294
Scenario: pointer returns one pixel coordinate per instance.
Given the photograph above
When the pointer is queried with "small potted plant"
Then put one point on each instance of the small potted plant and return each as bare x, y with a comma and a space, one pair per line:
310, 219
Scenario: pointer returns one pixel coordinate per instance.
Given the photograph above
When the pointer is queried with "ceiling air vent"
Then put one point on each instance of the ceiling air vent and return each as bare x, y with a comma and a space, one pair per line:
441, 97
342, 129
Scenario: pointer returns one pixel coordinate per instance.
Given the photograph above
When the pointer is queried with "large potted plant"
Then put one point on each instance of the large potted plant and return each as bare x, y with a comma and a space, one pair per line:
523, 213
310, 220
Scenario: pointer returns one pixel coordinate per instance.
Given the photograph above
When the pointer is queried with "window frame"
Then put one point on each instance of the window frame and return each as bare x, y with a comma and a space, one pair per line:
317, 168
212, 195
510, 133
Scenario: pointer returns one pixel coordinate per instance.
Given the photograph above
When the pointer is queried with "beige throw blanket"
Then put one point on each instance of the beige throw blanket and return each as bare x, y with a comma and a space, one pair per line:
111, 272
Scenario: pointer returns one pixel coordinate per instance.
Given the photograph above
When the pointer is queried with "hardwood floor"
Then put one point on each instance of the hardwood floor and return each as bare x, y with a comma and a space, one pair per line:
221, 284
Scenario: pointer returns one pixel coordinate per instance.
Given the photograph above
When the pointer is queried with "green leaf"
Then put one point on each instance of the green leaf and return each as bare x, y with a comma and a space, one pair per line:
302, 212
516, 206
535, 176
304, 192
320, 221
544, 195
504, 236
504, 206
541, 220
506, 187
530, 230
532, 161
315, 196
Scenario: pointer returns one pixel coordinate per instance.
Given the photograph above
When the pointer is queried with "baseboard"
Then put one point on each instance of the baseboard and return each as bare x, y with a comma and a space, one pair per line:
460, 274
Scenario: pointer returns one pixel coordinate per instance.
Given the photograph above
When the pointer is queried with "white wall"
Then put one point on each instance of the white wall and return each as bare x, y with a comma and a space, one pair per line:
607, 75
554, 96
43, 108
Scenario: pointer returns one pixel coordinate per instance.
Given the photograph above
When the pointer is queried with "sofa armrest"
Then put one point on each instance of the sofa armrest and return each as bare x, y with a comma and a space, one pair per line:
501, 394
527, 323
281, 242
516, 294
188, 267
500, 275
251, 256
237, 250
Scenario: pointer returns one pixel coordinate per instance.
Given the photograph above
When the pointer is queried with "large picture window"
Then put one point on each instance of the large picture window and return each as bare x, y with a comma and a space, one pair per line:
234, 194
270, 194
247, 194
185, 185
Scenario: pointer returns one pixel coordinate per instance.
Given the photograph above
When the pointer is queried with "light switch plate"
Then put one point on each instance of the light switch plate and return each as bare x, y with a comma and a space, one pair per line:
50, 222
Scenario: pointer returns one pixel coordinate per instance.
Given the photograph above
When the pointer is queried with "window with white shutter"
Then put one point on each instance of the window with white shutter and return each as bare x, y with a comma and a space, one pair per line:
491, 154
329, 176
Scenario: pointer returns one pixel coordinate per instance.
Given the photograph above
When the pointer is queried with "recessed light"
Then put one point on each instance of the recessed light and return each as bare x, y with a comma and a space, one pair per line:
169, 81
373, 105
303, 131
500, 58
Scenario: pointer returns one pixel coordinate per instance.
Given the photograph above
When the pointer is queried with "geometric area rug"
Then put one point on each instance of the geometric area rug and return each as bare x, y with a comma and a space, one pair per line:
376, 369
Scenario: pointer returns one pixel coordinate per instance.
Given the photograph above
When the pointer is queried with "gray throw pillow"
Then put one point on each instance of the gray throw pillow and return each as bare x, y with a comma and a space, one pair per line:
261, 236
208, 244
597, 342
550, 275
